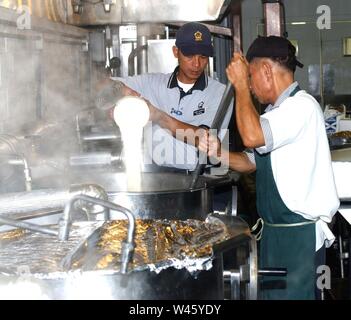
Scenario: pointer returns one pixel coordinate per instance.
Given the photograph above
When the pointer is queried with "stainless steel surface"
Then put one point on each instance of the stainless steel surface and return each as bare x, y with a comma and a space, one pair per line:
252, 284
50, 9
95, 159
27, 226
101, 136
41, 253
224, 31
241, 265
161, 195
118, 12
142, 54
11, 155
127, 246
233, 278
160, 56
131, 59
24, 202
213, 231
243, 279
14, 213
179, 278
172, 10
146, 32
48, 216
234, 201
14, 205
19, 160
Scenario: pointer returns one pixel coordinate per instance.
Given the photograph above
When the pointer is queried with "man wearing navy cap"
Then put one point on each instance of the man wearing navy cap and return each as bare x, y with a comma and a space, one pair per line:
194, 39
183, 101
295, 189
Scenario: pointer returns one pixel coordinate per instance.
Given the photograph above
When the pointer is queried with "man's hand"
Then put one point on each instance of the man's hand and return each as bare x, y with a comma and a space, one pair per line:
211, 145
238, 71
125, 91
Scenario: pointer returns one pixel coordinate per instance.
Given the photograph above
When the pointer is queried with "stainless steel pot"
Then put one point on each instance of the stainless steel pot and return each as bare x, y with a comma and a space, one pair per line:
163, 196
160, 196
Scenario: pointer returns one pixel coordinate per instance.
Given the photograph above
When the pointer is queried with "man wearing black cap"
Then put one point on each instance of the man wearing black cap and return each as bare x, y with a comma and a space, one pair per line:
295, 189
181, 102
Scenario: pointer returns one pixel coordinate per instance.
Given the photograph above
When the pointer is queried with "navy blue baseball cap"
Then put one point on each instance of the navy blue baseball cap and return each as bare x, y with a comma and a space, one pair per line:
274, 47
194, 38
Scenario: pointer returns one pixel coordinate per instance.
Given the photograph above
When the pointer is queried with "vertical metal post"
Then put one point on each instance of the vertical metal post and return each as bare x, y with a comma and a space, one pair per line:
237, 45
234, 201
146, 32
273, 17
237, 38
233, 278
142, 54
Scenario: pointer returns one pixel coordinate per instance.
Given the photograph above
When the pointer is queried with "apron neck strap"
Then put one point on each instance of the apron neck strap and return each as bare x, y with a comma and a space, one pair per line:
296, 90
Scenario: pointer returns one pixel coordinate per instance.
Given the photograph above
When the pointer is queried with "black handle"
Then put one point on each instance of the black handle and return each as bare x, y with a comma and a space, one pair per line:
274, 272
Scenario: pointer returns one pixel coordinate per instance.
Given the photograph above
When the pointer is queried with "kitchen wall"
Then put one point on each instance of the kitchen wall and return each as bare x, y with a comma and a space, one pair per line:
315, 46
45, 70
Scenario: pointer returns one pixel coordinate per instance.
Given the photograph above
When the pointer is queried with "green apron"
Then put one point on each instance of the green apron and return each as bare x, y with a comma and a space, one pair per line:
290, 247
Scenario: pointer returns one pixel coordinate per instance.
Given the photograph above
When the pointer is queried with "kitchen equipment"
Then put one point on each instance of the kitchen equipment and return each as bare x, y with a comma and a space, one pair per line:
161, 195
192, 269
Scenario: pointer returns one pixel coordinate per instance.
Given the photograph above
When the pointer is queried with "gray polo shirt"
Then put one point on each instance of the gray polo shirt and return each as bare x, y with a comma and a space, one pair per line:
196, 107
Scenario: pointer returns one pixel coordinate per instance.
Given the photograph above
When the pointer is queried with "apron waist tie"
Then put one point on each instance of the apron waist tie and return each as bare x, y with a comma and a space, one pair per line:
276, 225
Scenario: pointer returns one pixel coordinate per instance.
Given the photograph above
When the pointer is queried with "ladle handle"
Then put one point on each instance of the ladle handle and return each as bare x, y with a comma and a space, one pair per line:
216, 124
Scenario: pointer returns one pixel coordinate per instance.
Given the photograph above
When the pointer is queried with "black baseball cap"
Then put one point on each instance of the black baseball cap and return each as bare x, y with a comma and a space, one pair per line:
273, 47
194, 38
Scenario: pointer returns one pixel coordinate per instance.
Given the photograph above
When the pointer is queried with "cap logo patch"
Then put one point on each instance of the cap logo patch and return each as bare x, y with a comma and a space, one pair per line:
198, 36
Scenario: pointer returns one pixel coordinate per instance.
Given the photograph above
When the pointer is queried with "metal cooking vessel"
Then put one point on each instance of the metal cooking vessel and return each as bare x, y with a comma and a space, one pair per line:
160, 196
170, 282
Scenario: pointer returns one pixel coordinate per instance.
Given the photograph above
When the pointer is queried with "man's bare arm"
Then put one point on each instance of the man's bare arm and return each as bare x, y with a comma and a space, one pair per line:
238, 161
247, 117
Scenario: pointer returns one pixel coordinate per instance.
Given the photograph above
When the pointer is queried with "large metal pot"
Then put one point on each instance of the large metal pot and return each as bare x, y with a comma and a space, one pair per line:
160, 196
